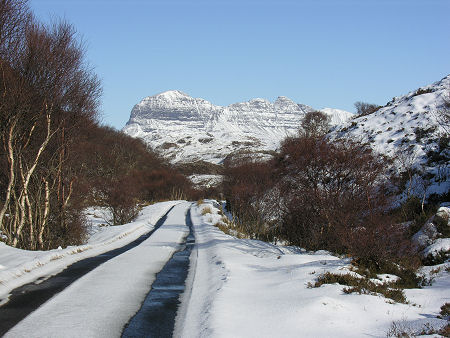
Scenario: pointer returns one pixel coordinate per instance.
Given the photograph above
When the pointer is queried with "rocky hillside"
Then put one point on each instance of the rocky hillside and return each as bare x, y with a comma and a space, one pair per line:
413, 130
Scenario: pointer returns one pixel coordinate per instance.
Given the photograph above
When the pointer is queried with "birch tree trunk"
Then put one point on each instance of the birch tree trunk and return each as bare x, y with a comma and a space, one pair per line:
45, 217
26, 176
11, 180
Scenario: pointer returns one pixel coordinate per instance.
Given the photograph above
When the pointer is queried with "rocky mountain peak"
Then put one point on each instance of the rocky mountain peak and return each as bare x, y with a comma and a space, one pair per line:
190, 129
286, 105
172, 95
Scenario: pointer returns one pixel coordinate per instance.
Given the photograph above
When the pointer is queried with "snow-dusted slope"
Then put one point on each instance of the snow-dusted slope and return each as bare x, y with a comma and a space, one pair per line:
188, 129
410, 129
337, 116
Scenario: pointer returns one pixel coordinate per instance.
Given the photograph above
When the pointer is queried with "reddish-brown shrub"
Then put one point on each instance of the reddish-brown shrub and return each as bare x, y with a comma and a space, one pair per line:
319, 194
245, 183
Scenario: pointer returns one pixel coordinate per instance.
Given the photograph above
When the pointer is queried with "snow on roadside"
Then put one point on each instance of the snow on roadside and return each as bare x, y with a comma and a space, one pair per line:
19, 267
100, 303
249, 288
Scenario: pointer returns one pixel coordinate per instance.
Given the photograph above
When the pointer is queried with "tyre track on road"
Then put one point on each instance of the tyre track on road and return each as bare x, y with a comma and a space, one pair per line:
157, 315
27, 298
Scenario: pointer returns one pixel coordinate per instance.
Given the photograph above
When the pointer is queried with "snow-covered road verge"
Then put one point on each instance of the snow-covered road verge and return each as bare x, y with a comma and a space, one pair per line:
100, 303
19, 267
249, 288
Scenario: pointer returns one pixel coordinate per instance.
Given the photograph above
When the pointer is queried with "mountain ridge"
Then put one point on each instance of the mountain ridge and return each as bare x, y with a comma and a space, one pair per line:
187, 129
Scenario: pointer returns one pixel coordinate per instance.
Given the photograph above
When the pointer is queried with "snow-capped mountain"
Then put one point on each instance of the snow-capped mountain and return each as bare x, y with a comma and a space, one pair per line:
413, 130
187, 129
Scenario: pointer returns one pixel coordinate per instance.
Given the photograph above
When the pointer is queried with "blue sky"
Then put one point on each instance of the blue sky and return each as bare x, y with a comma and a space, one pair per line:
324, 53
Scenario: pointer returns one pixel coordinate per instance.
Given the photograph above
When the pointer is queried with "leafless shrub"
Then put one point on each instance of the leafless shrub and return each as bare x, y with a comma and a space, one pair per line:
361, 285
364, 108
319, 194
245, 184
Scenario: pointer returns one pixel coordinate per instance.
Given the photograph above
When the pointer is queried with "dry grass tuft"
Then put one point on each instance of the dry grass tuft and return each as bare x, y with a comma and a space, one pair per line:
206, 210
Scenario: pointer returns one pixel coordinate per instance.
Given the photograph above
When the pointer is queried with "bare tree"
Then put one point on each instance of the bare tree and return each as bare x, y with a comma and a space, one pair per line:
46, 89
14, 17
329, 189
407, 160
443, 115
315, 124
364, 108
54, 157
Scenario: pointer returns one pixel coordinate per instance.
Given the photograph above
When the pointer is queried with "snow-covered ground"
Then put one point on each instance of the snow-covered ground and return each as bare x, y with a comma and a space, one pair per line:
248, 288
19, 267
235, 287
